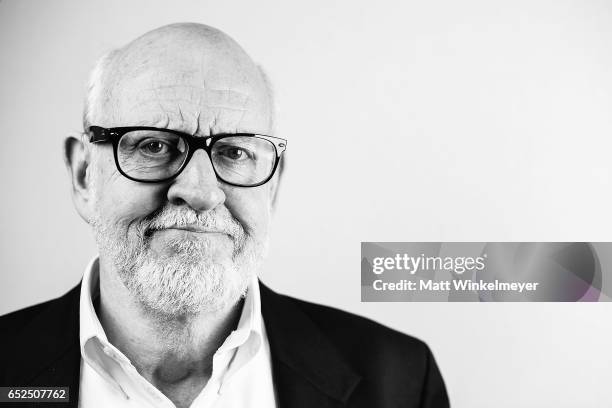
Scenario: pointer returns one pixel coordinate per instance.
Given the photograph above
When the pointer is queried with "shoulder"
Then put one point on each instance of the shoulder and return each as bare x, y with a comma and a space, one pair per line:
364, 344
364, 341
395, 369
50, 317
342, 323
39, 344
12, 323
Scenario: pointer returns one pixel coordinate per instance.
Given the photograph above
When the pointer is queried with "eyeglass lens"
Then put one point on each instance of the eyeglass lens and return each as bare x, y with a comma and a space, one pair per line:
157, 155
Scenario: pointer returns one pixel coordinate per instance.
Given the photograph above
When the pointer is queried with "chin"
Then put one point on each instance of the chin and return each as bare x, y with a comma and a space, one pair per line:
187, 283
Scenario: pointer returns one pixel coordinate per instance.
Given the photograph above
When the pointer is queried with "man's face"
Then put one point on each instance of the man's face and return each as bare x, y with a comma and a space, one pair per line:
192, 243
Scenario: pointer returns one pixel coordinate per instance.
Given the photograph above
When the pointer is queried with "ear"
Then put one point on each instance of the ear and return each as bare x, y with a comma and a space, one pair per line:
77, 158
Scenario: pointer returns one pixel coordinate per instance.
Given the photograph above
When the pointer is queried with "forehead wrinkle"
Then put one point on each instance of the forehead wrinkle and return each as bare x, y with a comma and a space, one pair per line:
184, 116
190, 55
164, 106
218, 91
214, 122
232, 92
191, 108
198, 94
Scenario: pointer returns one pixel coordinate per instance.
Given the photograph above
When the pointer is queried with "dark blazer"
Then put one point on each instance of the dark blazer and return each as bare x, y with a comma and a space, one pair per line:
321, 357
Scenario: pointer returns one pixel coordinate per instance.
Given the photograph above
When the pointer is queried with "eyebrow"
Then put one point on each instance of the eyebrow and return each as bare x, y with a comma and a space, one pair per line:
174, 121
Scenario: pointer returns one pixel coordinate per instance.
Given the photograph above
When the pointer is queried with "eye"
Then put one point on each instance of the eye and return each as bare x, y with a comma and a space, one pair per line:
153, 146
234, 153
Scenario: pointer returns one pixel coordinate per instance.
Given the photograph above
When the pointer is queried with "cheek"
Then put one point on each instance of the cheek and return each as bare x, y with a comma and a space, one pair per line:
126, 204
121, 201
251, 206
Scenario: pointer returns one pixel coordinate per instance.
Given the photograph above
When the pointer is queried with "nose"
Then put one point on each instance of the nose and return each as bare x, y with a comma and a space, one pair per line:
197, 185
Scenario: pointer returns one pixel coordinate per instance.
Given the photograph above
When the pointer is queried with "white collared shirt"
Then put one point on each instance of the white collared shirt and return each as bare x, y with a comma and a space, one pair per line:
241, 374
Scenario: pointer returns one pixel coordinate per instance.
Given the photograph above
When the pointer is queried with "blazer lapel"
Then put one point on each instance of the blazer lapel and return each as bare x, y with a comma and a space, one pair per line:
51, 341
308, 371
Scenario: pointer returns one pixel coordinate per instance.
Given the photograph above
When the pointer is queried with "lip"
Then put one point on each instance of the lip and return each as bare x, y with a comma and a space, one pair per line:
195, 229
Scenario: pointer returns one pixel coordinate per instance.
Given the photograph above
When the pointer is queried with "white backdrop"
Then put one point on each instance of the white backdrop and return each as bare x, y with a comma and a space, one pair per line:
407, 121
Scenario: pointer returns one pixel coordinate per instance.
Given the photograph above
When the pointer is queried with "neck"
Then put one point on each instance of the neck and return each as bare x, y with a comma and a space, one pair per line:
171, 353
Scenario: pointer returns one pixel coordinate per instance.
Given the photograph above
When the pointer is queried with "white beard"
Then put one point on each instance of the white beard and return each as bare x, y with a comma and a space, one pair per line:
192, 278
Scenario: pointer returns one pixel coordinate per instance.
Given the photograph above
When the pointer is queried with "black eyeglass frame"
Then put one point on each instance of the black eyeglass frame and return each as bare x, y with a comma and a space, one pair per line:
99, 134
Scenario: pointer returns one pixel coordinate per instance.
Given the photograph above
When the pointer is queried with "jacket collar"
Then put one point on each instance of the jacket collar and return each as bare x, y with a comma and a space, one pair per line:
308, 370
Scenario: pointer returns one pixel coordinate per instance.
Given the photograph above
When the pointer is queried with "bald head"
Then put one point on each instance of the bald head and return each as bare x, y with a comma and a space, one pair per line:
188, 77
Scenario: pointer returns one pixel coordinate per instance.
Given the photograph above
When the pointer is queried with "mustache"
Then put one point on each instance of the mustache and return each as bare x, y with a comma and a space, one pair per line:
217, 220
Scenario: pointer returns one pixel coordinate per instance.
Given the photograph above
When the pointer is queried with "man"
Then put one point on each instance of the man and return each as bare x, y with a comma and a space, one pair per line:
177, 173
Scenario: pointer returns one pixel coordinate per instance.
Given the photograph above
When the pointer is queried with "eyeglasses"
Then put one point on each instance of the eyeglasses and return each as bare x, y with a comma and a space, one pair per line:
152, 155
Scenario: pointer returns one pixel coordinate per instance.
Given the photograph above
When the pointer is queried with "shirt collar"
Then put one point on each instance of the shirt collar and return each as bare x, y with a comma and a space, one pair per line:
249, 331
90, 326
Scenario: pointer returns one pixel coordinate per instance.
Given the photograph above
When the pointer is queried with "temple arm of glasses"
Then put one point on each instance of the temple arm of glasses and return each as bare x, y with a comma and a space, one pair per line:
99, 134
